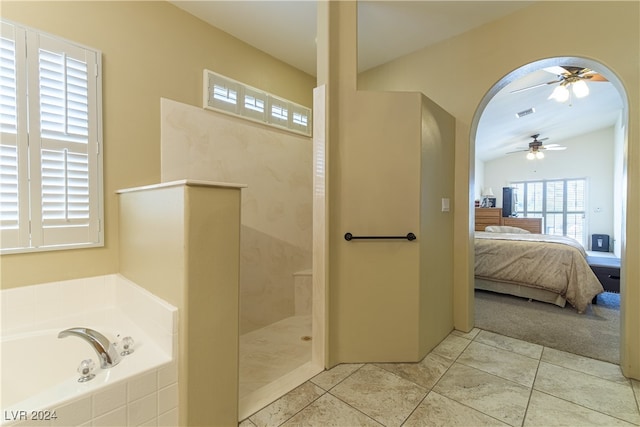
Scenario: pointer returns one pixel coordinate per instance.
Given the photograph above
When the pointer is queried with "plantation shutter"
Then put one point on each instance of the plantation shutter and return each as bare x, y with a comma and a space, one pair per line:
64, 155
14, 203
50, 146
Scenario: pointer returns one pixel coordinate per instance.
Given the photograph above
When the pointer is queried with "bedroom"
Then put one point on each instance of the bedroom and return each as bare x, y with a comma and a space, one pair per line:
573, 187
580, 139
571, 191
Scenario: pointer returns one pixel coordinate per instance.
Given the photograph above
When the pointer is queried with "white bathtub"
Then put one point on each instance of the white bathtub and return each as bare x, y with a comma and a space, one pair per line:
39, 370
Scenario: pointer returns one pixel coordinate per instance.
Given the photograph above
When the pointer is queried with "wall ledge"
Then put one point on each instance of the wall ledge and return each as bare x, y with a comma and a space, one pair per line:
187, 182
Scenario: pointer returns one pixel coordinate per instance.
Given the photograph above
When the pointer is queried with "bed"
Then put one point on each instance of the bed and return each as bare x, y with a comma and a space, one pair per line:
546, 268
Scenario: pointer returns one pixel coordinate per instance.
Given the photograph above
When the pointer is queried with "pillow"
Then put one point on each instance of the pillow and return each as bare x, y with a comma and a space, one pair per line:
505, 229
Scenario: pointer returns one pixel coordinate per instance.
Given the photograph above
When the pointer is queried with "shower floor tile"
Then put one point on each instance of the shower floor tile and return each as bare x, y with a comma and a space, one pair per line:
268, 353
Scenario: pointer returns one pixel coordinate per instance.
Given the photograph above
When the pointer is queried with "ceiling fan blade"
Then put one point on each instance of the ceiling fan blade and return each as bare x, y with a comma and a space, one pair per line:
591, 75
552, 145
557, 70
535, 86
558, 148
596, 78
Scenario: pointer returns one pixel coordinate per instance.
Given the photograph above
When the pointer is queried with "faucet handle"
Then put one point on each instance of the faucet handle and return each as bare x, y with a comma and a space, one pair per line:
86, 369
127, 346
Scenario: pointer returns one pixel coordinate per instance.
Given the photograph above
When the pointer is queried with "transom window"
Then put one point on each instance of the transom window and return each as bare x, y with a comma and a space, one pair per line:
230, 96
560, 203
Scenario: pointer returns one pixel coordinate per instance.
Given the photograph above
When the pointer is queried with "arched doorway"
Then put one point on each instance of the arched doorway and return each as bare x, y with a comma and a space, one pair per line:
560, 61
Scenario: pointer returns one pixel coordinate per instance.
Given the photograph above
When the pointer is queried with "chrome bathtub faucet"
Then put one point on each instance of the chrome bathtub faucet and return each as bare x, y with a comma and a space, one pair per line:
106, 351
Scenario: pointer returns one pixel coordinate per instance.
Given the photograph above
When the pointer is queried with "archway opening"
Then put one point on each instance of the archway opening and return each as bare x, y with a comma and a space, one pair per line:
506, 85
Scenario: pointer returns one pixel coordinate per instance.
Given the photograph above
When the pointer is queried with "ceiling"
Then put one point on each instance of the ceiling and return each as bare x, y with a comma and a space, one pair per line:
390, 29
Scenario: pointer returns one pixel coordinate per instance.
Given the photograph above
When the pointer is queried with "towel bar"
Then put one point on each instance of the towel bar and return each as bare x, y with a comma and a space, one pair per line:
410, 236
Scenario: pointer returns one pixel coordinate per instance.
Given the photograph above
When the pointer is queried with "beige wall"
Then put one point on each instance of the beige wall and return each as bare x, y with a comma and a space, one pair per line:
588, 156
182, 243
436, 226
457, 73
276, 205
385, 303
151, 49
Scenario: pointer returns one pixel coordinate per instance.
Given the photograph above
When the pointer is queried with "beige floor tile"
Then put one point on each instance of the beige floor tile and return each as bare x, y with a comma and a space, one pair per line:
511, 344
477, 379
489, 394
545, 410
505, 364
383, 396
598, 368
636, 389
330, 378
269, 353
424, 373
329, 411
451, 347
437, 410
287, 406
609, 397
468, 335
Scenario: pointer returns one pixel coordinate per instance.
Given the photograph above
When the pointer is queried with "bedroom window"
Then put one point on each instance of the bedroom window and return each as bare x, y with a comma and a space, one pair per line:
51, 148
560, 203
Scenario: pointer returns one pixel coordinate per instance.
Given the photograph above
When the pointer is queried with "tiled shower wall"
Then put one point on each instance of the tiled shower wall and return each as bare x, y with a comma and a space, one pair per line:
276, 166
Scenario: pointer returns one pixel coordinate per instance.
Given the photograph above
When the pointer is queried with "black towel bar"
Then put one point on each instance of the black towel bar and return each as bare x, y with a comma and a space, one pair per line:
409, 237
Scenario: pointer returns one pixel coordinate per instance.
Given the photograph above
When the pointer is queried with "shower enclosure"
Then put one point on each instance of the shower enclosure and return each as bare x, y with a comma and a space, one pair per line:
276, 234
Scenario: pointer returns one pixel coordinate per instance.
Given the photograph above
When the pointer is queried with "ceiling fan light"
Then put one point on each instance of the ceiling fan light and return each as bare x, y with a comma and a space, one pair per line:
539, 155
580, 89
530, 155
560, 94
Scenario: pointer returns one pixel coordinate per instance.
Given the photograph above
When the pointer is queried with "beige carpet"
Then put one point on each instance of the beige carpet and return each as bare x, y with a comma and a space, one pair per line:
595, 334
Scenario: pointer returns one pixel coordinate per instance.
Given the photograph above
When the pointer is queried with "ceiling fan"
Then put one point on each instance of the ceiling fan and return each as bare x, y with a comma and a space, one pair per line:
568, 76
534, 151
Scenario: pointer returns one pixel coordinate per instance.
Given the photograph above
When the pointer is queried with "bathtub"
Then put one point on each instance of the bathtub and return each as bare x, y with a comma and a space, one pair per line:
39, 381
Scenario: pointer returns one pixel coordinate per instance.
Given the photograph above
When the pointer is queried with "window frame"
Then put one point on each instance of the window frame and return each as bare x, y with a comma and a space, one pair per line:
33, 233
276, 111
546, 210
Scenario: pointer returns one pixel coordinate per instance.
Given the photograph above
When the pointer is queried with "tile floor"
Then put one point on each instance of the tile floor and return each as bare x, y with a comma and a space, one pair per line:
268, 353
473, 379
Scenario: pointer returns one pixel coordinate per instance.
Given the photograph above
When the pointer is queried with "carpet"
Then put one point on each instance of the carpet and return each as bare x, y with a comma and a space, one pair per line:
594, 334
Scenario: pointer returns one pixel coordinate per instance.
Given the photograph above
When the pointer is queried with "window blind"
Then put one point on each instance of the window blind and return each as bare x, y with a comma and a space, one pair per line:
51, 167
8, 111
13, 213
9, 207
560, 203
64, 103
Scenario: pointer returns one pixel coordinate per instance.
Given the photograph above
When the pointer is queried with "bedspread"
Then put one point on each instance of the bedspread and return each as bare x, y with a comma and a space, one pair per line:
553, 263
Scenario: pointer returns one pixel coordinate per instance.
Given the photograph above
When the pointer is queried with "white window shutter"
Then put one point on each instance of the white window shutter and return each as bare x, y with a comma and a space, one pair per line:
300, 118
14, 203
255, 104
64, 157
8, 88
223, 94
63, 97
278, 112
50, 147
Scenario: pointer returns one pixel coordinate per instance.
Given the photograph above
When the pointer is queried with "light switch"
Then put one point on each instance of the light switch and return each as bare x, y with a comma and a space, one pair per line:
445, 205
